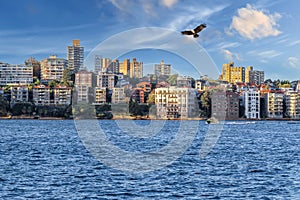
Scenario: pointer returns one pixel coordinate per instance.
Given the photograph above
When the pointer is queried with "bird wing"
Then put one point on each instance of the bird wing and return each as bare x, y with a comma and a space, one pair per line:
187, 32
200, 28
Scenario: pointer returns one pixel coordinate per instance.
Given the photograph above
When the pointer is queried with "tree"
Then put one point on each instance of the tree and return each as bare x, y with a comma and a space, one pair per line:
151, 97
205, 101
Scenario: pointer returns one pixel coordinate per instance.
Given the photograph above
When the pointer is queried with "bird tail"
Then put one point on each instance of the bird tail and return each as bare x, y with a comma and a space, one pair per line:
196, 35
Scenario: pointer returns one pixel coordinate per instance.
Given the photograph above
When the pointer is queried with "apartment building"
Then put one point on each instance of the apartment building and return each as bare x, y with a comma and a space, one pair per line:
107, 80
15, 74
251, 101
225, 105
41, 95
62, 95
162, 69
52, 68
136, 69
75, 56
118, 95
18, 94
273, 104
185, 81
176, 102
83, 85
100, 95
232, 74
292, 102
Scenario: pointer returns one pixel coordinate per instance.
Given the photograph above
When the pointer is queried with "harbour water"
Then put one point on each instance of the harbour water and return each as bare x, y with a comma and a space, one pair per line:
46, 159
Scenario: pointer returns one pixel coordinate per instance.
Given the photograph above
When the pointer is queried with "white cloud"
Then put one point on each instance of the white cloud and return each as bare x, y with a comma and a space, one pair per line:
293, 61
230, 56
297, 42
168, 3
255, 24
265, 54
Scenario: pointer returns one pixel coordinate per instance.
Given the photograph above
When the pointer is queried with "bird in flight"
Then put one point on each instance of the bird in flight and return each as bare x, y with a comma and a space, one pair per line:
194, 31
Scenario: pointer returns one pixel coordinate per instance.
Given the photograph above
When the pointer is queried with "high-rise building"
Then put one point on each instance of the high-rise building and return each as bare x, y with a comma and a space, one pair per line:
232, 74
247, 74
98, 66
83, 85
114, 67
52, 68
125, 67
75, 56
136, 69
256, 77
251, 99
162, 69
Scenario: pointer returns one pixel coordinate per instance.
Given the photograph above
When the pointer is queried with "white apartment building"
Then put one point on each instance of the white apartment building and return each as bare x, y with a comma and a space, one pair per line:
15, 74
251, 99
18, 94
274, 105
162, 69
292, 102
118, 95
173, 102
100, 95
62, 95
52, 68
106, 80
41, 95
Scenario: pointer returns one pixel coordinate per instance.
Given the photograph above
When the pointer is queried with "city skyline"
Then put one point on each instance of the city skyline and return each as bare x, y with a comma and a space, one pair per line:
267, 40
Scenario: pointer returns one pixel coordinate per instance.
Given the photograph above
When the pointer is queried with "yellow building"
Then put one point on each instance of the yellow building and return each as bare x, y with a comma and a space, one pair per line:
247, 74
232, 74
136, 69
124, 67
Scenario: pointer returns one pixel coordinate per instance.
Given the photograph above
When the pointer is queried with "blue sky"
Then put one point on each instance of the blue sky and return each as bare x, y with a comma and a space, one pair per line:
263, 34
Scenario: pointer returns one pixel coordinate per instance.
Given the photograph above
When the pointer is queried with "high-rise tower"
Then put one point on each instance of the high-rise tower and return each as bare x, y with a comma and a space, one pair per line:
75, 56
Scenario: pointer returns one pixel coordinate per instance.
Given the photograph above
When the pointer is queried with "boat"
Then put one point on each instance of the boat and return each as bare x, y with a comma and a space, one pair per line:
252, 122
212, 120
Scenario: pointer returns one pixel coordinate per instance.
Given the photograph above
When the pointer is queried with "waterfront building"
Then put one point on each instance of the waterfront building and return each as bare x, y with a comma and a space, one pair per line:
185, 81
162, 84
75, 56
136, 69
62, 95
118, 95
18, 94
292, 104
232, 74
83, 77
107, 80
41, 95
225, 105
15, 74
52, 68
247, 73
100, 95
173, 102
251, 101
273, 104
162, 69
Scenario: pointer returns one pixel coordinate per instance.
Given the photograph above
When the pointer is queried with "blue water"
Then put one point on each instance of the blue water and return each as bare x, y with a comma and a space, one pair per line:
45, 159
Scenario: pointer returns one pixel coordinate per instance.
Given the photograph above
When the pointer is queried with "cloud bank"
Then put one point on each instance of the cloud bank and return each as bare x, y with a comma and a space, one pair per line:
255, 24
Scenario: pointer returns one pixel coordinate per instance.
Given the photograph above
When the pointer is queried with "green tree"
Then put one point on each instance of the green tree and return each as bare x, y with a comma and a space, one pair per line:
151, 97
172, 79
205, 102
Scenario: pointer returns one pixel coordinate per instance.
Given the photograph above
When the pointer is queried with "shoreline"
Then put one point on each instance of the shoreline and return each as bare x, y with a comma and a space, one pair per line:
133, 118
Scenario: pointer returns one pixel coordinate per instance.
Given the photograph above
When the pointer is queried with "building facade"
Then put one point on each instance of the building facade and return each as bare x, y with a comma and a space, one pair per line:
15, 74
176, 102
292, 102
136, 69
251, 101
225, 105
185, 81
52, 68
75, 56
62, 95
18, 94
162, 69
107, 80
232, 74
273, 107
100, 95
118, 95
41, 95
